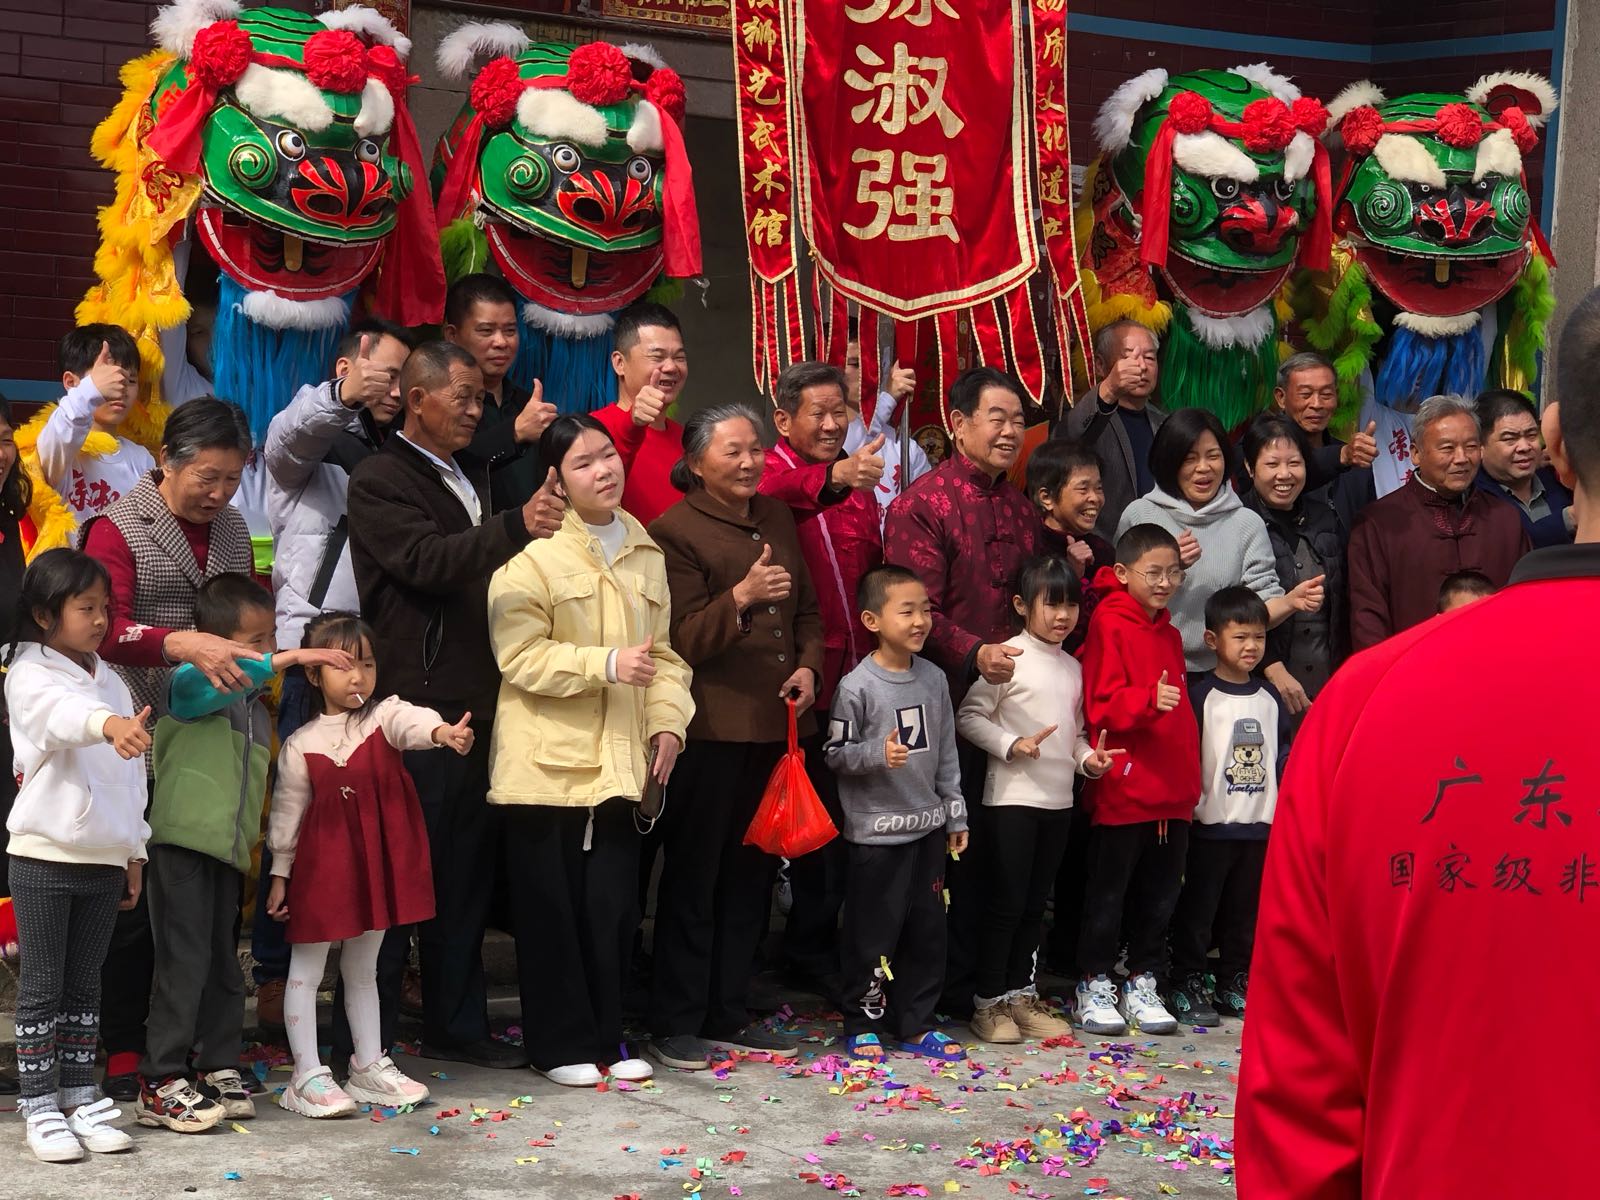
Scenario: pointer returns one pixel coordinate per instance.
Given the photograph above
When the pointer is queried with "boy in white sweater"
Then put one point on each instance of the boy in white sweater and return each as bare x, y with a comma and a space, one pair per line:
1032, 760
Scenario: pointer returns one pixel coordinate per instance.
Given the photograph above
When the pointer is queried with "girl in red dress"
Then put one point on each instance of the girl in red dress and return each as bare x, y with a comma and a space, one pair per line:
349, 860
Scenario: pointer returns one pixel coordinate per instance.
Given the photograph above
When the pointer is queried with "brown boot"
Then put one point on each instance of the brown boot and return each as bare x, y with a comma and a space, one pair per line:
1036, 1019
269, 1004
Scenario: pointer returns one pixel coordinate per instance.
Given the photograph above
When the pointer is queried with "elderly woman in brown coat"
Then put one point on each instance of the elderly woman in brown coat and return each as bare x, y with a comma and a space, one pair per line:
744, 616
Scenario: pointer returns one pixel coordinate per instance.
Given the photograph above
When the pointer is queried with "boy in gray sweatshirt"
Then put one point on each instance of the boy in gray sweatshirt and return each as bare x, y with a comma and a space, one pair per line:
892, 743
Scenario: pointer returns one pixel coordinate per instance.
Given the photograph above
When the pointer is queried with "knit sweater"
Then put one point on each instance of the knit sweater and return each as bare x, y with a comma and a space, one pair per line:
1234, 549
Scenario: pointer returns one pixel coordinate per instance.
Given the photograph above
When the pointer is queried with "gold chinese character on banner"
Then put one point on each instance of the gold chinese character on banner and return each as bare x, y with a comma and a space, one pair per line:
928, 207
1053, 47
908, 92
1051, 186
767, 227
766, 180
1053, 137
759, 32
916, 12
761, 135
756, 85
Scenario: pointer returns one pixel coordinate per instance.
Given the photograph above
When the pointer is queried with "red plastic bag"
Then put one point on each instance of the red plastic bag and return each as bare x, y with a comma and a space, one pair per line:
790, 820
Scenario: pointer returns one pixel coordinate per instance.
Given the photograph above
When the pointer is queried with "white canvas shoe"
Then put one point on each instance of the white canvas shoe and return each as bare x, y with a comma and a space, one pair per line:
91, 1125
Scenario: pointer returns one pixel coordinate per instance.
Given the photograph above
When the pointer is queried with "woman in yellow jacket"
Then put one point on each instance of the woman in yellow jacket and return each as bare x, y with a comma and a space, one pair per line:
593, 704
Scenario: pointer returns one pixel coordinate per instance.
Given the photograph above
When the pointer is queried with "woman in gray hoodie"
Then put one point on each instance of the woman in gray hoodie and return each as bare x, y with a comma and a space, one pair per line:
1221, 542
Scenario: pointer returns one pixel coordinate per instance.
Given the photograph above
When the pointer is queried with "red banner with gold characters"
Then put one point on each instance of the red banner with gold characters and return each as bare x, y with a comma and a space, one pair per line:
690, 16
912, 141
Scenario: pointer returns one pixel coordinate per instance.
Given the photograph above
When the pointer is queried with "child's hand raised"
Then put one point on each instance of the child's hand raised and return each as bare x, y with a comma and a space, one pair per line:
1100, 759
956, 843
277, 899
127, 735
1028, 747
339, 660
894, 754
458, 737
1167, 696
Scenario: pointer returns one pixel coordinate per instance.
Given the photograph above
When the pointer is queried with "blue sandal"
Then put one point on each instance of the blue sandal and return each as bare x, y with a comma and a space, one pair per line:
864, 1046
934, 1044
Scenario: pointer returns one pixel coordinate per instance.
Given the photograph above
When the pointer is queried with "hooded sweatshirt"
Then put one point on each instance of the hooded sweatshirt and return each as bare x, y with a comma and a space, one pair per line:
1234, 549
78, 800
1158, 779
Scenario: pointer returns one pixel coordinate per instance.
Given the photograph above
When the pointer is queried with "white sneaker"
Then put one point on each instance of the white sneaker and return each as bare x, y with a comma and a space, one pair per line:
227, 1088
91, 1125
632, 1070
1094, 1008
317, 1095
1141, 1006
51, 1139
384, 1084
579, 1075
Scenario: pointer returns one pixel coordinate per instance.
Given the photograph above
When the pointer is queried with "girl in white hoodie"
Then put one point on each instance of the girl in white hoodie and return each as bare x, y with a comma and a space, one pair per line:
77, 845
1032, 728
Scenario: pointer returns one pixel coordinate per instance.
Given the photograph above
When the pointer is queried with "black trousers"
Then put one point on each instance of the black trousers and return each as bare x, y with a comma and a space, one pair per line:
1019, 855
715, 892
198, 1003
817, 880
1067, 923
465, 842
126, 977
894, 912
1134, 875
1218, 904
964, 882
574, 918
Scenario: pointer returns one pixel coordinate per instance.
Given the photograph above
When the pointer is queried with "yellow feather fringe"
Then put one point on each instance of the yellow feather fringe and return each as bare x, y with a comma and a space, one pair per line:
54, 523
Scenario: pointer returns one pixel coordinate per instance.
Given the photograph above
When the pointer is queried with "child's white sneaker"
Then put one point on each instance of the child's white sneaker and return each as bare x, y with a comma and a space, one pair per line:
383, 1083
91, 1125
582, 1075
317, 1095
1094, 1008
1141, 1006
51, 1139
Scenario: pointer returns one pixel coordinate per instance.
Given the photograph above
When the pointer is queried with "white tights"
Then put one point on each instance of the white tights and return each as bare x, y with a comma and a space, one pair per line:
358, 966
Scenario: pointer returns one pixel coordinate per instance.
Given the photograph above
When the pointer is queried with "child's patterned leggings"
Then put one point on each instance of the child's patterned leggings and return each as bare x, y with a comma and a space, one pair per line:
65, 914
358, 967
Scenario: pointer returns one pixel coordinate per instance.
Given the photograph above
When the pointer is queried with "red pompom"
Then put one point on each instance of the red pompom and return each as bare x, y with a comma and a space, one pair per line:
1268, 125
1361, 129
496, 90
665, 90
1522, 131
599, 73
1309, 116
383, 62
336, 60
1189, 112
1459, 125
221, 53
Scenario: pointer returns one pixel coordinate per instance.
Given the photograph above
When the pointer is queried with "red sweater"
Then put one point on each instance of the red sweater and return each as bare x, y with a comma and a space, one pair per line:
1434, 869
129, 644
648, 456
1158, 779
840, 542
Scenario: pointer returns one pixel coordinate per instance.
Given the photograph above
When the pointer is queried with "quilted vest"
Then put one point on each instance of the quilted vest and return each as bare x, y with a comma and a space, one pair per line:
168, 576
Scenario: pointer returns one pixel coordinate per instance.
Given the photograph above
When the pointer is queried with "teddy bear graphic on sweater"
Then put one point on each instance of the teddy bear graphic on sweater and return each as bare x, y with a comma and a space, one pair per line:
1246, 771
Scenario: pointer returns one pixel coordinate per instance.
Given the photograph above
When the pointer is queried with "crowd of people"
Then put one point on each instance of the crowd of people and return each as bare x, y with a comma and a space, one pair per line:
555, 648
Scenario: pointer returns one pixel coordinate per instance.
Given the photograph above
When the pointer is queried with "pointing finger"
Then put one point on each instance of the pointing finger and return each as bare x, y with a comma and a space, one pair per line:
1100, 746
1045, 732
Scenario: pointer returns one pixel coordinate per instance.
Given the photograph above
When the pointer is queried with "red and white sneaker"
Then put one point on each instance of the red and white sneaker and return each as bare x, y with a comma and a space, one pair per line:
176, 1104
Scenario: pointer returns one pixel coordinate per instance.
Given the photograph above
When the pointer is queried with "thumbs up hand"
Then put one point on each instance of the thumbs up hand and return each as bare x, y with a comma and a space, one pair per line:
895, 754
543, 513
651, 400
127, 735
860, 470
763, 583
635, 666
1362, 449
458, 737
1167, 696
536, 416
110, 379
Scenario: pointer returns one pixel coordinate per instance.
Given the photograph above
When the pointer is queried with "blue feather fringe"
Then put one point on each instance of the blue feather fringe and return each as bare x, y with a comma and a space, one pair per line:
576, 372
1417, 367
260, 368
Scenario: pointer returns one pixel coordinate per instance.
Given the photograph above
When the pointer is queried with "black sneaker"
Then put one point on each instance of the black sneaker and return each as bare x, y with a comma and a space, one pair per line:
122, 1087
1190, 1000
758, 1039
1230, 997
685, 1052
486, 1052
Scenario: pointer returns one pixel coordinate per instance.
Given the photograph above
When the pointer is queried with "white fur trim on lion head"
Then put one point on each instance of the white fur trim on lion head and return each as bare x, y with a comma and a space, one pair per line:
1362, 91
1437, 327
1114, 126
644, 135
1406, 159
279, 312
1214, 156
644, 53
377, 110
286, 96
1538, 99
175, 25
1247, 330
461, 50
1498, 155
556, 114
368, 23
1269, 81
1298, 156
566, 324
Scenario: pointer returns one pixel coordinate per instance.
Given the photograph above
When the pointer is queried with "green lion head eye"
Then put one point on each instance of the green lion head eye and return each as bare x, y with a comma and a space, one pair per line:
252, 165
1511, 208
1192, 209
528, 176
1387, 207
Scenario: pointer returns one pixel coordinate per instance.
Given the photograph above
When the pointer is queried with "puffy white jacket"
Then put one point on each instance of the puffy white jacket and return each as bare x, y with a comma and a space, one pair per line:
305, 499
78, 799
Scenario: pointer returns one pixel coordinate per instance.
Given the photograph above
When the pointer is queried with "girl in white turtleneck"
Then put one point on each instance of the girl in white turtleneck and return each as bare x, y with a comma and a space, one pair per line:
1031, 726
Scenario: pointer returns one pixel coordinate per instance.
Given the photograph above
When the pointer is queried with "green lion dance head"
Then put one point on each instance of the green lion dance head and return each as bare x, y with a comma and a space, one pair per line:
1211, 187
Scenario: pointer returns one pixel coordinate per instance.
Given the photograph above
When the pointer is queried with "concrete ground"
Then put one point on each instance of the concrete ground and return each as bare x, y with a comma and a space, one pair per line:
1144, 1117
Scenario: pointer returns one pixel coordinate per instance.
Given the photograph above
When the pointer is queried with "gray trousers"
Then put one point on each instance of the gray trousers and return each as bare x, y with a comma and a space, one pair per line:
198, 1001
65, 912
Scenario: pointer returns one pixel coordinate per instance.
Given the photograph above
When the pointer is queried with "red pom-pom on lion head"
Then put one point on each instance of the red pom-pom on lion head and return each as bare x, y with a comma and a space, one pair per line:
336, 60
220, 55
1268, 125
1459, 125
664, 89
599, 73
1189, 112
496, 90
1361, 128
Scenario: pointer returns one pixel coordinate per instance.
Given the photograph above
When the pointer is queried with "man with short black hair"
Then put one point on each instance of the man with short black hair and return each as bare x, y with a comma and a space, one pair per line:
1307, 393
651, 366
1511, 472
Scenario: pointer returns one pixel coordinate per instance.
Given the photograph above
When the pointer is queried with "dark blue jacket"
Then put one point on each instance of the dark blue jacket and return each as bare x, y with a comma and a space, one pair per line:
1549, 531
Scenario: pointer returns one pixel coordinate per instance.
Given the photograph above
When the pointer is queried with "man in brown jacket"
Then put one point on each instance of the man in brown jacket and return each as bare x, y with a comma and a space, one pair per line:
1407, 543
424, 542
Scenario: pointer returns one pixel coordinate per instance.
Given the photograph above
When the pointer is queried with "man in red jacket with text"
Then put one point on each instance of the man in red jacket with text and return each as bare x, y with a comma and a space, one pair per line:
1417, 866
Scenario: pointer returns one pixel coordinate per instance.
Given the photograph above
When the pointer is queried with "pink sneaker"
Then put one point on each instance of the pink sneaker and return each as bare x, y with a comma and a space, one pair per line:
384, 1084
317, 1095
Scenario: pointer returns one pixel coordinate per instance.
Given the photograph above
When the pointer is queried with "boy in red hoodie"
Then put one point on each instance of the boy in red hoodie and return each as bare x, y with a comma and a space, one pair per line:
1133, 676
